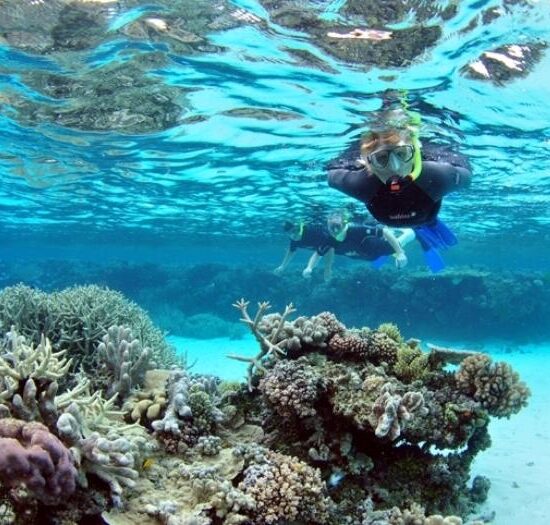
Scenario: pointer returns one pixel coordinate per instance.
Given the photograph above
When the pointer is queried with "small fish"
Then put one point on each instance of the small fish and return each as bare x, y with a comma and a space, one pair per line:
147, 463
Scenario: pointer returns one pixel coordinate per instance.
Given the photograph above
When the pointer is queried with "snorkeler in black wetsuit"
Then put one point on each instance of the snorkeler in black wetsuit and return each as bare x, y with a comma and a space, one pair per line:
364, 242
401, 185
368, 242
309, 236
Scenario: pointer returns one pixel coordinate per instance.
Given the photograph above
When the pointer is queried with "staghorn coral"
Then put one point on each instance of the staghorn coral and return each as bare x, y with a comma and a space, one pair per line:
101, 445
495, 385
122, 362
76, 319
391, 411
32, 457
292, 388
28, 380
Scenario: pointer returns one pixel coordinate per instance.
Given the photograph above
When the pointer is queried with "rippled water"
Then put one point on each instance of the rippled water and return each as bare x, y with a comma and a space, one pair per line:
193, 117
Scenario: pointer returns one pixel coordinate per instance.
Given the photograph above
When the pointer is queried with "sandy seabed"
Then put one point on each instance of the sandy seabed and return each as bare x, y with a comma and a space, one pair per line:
518, 462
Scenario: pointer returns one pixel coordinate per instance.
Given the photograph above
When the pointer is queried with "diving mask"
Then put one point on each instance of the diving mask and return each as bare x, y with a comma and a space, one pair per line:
381, 158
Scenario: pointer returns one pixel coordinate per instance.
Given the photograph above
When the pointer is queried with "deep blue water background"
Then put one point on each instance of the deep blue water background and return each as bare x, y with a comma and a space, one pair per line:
252, 128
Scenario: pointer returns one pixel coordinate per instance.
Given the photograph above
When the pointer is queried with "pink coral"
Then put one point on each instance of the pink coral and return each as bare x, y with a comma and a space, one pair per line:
33, 457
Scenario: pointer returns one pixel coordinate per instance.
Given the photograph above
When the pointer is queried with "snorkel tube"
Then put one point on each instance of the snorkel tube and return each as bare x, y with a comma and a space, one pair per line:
345, 218
413, 125
301, 226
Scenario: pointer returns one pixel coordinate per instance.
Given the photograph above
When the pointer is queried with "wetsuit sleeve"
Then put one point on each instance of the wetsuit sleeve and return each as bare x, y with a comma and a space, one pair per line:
349, 176
439, 178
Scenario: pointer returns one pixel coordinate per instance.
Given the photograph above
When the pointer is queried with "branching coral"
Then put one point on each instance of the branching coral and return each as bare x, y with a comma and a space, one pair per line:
192, 408
495, 385
75, 319
122, 361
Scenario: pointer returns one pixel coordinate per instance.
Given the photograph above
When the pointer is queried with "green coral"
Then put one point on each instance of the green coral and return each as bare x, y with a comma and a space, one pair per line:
412, 364
392, 331
202, 408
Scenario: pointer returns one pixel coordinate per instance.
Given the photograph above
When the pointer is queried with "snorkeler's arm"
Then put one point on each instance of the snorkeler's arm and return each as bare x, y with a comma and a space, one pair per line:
439, 178
399, 253
348, 175
312, 263
288, 257
329, 259
407, 235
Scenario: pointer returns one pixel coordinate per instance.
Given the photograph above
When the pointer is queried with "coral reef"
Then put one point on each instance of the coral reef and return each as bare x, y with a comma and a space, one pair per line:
334, 426
461, 304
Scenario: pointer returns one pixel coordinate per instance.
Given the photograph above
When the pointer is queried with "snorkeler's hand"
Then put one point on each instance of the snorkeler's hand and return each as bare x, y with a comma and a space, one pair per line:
401, 260
306, 274
279, 270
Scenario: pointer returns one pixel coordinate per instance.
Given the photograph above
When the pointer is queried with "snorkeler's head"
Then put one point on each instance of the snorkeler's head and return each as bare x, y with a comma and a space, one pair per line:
337, 225
294, 229
391, 153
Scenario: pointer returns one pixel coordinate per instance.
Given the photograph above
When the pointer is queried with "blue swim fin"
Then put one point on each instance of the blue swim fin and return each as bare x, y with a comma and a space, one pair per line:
380, 261
433, 259
435, 235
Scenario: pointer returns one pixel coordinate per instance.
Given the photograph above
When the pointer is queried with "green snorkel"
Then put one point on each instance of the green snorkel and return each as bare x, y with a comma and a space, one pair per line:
301, 227
414, 126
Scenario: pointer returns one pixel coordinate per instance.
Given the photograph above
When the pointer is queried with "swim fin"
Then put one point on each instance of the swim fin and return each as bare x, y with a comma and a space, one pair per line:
434, 261
380, 261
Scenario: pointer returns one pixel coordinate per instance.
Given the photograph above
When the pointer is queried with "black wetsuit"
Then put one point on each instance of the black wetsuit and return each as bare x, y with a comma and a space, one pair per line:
363, 242
315, 237
415, 203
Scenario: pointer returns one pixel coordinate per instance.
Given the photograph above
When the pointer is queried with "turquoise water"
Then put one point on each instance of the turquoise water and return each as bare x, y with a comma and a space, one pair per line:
114, 129
156, 148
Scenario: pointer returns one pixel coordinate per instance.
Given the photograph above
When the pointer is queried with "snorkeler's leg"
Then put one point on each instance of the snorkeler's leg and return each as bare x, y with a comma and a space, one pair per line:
312, 263
329, 260
288, 257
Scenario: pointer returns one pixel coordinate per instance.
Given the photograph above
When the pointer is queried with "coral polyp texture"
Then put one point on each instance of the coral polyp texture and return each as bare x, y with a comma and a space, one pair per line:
333, 425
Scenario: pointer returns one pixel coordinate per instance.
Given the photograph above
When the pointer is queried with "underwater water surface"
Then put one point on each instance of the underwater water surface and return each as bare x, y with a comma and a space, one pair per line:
150, 153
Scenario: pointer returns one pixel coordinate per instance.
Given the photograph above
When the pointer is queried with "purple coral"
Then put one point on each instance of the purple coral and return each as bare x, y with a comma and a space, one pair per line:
33, 457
